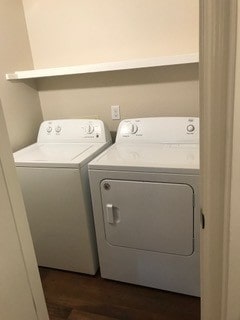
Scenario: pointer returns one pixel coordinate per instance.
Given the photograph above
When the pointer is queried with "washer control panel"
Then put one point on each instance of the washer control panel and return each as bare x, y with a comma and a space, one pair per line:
73, 130
89, 129
159, 130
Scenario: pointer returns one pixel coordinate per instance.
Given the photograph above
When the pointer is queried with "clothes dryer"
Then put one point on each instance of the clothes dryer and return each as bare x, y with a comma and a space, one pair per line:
54, 179
145, 193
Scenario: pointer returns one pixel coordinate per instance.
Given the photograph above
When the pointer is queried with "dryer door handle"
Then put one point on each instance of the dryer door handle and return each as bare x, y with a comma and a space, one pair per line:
110, 215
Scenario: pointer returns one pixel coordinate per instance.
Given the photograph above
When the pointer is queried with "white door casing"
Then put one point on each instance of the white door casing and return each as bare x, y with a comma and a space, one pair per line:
218, 20
231, 292
21, 295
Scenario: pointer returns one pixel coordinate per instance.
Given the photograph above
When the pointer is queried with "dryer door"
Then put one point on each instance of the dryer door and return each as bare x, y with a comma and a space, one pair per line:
149, 215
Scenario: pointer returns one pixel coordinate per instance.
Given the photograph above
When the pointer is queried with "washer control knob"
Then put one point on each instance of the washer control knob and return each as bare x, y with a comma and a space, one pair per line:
131, 128
58, 129
190, 128
89, 129
49, 129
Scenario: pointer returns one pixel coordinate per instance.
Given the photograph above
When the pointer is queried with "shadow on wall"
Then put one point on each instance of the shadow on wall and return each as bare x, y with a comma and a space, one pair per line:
147, 92
154, 75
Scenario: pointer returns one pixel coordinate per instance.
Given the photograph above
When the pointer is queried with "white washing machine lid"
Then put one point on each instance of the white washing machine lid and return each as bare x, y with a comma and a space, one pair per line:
150, 157
57, 154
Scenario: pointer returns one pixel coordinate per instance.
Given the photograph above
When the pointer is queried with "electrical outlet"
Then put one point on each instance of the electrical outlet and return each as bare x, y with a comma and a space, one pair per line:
115, 112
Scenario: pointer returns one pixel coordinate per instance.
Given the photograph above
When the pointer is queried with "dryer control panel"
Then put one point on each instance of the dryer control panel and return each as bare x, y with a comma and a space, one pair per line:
159, 130
73, 130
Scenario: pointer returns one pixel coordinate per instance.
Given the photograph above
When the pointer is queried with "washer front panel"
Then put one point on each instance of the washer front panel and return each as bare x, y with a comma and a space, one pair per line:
60, 217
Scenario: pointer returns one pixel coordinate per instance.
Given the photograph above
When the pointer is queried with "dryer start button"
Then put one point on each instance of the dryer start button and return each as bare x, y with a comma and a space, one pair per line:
190, 128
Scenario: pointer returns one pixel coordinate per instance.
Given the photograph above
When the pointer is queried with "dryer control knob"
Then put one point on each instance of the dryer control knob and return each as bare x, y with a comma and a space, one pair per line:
89, 129
190, 128
131, 128
58, 129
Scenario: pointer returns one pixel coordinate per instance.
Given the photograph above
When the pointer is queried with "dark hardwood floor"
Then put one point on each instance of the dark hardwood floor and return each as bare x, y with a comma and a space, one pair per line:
73, 296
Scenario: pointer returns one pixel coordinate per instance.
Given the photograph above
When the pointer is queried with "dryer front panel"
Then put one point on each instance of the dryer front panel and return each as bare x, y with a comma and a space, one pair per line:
149, 215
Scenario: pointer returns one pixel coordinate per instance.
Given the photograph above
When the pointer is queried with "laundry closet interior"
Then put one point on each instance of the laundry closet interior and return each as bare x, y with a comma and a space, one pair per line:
108, 69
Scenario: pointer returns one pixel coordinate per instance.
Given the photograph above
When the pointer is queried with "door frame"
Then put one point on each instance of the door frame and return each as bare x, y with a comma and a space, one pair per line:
21, 230
220, 176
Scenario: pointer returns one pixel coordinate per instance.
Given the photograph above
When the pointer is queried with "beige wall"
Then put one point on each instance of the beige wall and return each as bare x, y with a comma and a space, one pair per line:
73, 32
20, 99
171, 91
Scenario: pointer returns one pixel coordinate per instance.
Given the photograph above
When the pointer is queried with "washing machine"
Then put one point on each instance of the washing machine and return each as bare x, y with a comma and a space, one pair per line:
145, 195
54, 178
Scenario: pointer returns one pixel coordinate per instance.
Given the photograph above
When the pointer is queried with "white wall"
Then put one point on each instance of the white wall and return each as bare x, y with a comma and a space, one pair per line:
20, 99
73, 32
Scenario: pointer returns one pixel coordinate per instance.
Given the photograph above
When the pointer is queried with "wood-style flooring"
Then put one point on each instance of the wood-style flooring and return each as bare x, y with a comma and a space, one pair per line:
73, 296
